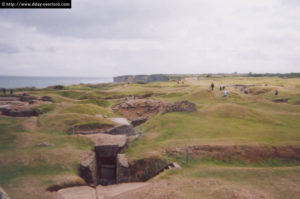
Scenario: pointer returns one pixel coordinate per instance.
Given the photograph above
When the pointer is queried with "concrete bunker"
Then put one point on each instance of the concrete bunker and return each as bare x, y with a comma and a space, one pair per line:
107, 166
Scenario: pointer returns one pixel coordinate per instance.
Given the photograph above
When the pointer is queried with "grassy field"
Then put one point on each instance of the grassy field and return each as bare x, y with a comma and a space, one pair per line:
239, 119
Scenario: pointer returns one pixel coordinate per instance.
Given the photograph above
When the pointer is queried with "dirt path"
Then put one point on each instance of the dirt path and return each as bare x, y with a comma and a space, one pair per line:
30, 124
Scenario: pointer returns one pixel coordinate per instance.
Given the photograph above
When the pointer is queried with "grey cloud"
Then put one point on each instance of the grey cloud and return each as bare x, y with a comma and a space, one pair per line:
51, 50
290, 2
30, 48
8, 49
115, 19
172, 36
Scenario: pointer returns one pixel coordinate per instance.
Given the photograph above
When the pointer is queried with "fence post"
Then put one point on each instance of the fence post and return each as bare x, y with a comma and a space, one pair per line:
187, 158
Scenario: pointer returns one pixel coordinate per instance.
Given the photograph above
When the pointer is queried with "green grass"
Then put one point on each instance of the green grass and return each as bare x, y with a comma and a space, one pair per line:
73, 94
240, 175
92, 125
238, 119
45, 108
10, 173
9, 127
234, 162
89, 109
216, 127
96, 101
61, 123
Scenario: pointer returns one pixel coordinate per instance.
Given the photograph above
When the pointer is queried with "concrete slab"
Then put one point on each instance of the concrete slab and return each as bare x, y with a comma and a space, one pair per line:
107, 139
106, 192
119, 120
123, 160
80, 192
9, 99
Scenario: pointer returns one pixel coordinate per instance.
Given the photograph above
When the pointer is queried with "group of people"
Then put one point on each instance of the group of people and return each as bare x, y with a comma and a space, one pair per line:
178, 82
222, 88
11, 91
225, 92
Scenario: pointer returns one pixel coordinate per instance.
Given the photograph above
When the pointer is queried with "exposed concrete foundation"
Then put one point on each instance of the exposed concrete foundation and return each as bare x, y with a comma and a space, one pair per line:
123, 169
88, 169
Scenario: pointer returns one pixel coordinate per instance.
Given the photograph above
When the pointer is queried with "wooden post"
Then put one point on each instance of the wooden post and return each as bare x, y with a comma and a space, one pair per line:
187, 158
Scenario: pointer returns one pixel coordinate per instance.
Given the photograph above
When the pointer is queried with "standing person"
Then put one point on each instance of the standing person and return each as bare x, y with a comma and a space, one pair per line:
225, 93
4, 91
212, 86
276, 92
182, 82
11, 91
220, 87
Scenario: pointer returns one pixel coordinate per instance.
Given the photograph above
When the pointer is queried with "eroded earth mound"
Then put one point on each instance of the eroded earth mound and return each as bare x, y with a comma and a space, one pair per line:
139, 109
244, 153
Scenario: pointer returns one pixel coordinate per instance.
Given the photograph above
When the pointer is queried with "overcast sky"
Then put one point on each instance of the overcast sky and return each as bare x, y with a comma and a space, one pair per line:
119, 37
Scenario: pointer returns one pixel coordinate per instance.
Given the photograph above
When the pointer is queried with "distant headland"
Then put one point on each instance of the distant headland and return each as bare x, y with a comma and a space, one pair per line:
141, 78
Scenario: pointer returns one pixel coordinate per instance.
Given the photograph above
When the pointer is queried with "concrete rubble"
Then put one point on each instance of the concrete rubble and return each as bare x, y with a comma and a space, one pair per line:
3, 194
21, 105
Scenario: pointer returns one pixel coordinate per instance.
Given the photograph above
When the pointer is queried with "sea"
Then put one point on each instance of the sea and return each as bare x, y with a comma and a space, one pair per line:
10, 82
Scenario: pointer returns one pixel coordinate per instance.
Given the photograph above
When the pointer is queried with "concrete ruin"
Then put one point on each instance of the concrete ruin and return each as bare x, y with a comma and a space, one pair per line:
3, 194
20, 113
122, 127
105, 167
21, 105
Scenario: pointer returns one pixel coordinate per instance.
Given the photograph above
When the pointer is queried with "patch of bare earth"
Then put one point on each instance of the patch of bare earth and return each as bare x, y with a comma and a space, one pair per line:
245, 153
137, 109
134, 109
30, 124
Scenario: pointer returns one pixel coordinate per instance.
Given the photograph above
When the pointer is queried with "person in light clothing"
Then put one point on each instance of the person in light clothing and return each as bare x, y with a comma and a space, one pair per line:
225, 93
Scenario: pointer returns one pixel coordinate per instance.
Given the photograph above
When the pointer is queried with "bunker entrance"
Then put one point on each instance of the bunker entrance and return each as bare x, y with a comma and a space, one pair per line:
106, 157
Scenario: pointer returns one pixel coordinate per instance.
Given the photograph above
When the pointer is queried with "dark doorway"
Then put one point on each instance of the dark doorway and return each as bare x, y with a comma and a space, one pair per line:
106, 164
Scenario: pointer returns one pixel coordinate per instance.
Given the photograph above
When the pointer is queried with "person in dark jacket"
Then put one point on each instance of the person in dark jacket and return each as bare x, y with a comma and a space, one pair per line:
212, 86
